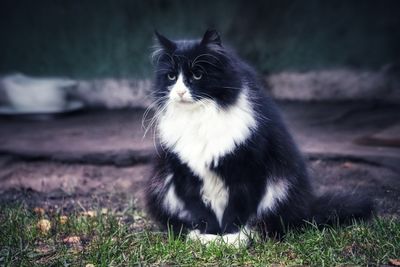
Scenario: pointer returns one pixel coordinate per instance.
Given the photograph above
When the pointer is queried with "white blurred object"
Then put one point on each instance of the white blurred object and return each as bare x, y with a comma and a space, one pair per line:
30, 94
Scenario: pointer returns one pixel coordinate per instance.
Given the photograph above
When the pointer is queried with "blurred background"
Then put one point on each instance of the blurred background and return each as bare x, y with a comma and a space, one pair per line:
105, 38
324, 45
75, 78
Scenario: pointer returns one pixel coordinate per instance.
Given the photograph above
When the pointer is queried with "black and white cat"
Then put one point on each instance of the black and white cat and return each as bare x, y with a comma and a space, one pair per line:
227, 164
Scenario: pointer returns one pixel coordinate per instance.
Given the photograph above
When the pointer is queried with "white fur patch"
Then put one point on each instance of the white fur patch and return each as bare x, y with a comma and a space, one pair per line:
274, 192
204, 239
237, 240
215, 194
200, 133
173, 203
168, 179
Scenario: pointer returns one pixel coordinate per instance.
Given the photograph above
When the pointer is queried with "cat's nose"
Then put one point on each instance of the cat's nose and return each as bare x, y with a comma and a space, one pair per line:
181, 93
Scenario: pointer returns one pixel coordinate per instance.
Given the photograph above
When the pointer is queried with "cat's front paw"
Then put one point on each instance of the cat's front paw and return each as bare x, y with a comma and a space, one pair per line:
237, 240
204, 239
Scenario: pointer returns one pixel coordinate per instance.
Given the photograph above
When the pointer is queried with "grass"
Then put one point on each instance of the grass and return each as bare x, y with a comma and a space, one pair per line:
118, 239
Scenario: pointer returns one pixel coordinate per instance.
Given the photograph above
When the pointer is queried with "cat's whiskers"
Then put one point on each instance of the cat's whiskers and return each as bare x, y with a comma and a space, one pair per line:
168, 65
156, 54
171, 58
202, 68
152, 105
205, 61
154, 118
157, 121
159, 53
206, 95
154, 123
203, 55
162, 70
197, 60
147, 111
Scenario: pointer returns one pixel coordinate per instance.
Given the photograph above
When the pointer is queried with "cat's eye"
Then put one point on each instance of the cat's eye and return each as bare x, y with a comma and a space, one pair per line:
197, 76
171, 77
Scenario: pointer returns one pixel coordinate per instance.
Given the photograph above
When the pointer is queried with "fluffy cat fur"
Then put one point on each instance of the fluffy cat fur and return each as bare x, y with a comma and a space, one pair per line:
226, 160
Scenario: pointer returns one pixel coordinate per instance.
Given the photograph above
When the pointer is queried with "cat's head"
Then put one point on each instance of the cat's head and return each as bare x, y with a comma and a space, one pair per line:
195, 71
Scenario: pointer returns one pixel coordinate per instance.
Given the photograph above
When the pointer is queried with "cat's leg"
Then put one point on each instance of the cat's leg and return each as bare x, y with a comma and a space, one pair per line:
233, 230
238, 211
173, 203
164, 205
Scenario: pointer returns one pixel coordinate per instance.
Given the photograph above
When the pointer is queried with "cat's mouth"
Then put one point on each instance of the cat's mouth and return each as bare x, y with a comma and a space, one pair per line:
184, 101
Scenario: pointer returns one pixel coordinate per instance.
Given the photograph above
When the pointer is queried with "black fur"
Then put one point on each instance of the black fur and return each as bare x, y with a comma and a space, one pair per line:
269, 154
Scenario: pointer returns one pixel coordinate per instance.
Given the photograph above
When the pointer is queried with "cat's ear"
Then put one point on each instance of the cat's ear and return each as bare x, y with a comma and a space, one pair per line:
211, 37
164, 41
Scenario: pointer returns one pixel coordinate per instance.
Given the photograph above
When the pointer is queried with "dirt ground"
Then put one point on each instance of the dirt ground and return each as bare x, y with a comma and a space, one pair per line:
70, 186
99, 159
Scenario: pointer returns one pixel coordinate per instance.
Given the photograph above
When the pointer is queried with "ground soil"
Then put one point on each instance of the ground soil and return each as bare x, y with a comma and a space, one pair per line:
98, 158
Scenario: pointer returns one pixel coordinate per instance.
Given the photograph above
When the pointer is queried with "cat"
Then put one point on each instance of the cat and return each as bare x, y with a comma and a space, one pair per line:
227, 166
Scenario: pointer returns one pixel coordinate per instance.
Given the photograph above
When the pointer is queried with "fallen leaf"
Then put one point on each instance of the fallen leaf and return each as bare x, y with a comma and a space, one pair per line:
394, 262
39, 211
104, 211
72, 240
44, 226
63, 219
89, 213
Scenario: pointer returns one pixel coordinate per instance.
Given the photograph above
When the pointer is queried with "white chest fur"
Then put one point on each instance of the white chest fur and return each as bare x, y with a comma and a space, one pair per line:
200, 134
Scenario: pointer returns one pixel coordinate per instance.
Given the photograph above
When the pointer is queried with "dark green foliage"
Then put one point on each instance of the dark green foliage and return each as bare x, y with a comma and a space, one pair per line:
95, 38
